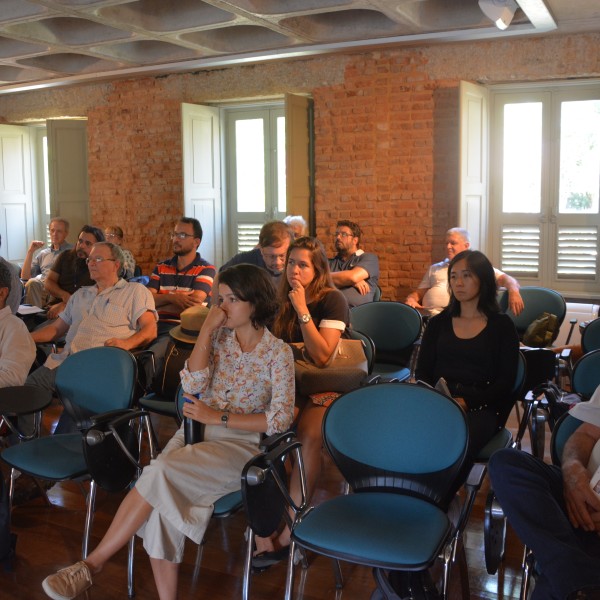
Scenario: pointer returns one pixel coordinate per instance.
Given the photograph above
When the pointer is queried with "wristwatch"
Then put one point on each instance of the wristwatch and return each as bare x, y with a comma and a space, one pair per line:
304, 319
224, 419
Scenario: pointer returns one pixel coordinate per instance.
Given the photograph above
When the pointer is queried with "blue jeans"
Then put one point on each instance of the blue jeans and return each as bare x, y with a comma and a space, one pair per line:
531, 495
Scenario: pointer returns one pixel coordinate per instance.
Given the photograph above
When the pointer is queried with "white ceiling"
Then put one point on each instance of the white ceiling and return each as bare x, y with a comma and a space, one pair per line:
56, 42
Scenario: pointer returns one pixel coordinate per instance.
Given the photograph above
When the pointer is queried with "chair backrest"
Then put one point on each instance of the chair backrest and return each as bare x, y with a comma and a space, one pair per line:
563, 429
541, 367
586, 374
377, 294
397, 437
590, 337
392, 326
537, 300
98, 379
368, 345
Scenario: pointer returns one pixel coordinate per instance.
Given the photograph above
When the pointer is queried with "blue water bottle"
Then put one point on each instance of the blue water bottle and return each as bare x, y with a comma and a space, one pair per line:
192, 430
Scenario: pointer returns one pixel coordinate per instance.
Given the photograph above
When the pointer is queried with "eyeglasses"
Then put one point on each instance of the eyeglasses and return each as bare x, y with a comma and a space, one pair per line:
98, 259
85, 242
180, 235
273, 257
112, 235
341, 234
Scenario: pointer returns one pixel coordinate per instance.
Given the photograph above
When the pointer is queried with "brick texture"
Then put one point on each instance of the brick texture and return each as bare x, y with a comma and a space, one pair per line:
386, 137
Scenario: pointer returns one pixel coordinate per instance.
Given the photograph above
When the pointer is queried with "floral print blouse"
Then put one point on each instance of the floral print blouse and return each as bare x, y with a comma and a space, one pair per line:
247, 382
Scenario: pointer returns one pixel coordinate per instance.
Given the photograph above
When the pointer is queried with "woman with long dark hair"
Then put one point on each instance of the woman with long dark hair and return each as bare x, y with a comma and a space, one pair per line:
245, 378
311, 310
474, 347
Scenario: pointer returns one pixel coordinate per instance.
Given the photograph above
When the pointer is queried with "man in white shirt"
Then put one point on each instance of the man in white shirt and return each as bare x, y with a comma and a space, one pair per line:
35, 269
113, 312
432, 295
554, 510
17, 349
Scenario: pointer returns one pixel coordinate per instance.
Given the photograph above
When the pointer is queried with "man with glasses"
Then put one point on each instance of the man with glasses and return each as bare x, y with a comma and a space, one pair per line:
274, 240
111, 312
36, 268
69, 271
185, 279
354, 271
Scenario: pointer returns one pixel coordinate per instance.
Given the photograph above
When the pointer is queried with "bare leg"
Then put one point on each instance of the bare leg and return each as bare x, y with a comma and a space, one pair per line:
309, 433
165, 576
131, 515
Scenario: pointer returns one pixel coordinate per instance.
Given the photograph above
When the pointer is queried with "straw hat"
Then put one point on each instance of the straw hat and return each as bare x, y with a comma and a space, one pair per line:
191, 322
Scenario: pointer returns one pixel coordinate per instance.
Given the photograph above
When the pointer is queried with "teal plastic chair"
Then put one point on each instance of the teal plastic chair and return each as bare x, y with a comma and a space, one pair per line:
401, 448
394, 328
537, 300
95, 381
368, 345
590, 338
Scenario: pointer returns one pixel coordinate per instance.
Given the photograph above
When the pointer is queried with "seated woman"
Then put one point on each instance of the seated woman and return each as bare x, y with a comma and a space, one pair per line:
245, 378
114, 234
474, 347
312, 310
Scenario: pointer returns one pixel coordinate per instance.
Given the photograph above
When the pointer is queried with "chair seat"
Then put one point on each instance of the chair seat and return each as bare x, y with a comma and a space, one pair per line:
377, 529
390, 371
502, 439
228, 504
157, 404
54, 457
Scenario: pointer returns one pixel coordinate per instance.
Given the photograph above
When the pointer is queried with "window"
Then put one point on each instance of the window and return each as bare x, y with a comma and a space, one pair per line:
256, 171
545, 184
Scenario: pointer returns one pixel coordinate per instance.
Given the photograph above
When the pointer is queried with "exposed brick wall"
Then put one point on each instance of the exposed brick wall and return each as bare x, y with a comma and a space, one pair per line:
386, 137
134, 146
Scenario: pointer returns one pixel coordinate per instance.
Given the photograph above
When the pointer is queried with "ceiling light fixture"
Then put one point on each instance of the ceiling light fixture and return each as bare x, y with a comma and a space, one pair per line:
501, 12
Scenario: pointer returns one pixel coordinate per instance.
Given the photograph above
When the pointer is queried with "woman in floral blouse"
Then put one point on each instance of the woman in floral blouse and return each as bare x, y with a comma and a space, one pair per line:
245, 379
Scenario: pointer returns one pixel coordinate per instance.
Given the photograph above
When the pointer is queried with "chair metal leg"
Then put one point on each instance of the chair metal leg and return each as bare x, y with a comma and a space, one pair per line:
527, 565
494, 533
337, 571
130, 561
538, 432
248, 564
89, 518
289, 578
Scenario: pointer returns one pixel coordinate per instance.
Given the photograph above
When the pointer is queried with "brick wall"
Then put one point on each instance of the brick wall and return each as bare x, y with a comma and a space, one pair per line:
386, 137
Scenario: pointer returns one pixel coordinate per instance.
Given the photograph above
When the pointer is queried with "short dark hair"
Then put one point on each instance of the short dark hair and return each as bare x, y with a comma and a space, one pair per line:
482, 268
352, 226
252, 284
95, 231
195, 224
5, 277
275, 233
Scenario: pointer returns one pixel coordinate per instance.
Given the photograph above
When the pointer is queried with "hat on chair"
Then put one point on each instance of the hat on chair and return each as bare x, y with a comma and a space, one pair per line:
191, 322
589, 412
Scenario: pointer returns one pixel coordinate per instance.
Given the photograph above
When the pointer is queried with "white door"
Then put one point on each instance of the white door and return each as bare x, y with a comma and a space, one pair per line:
16, 202
68, 172
202, 176
473, 182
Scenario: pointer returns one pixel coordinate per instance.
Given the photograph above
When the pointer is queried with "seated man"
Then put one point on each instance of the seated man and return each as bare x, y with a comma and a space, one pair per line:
432, 295
554, 511
112, 312
273, 242
354, 271
16, 287
114, 234
69, 271
297, 224
184, 280
17, 349
36, 268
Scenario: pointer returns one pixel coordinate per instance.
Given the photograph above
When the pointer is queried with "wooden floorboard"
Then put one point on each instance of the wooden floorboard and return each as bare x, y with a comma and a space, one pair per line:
49, 538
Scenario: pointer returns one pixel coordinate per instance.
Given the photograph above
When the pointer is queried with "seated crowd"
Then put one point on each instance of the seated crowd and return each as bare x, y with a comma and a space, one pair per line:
286, 290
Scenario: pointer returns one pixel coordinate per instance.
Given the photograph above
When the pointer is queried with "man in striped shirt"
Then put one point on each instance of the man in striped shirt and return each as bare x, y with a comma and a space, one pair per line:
185, 279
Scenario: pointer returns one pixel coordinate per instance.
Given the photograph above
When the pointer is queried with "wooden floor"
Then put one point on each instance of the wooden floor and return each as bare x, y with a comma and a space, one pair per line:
49, 538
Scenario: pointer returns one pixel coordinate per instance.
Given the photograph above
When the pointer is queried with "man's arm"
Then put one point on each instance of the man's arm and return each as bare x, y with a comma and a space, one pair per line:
182, 300
581, 501
515, 302
27, 262
52, 287
50, 332
415, 298
145, 334
349, 277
